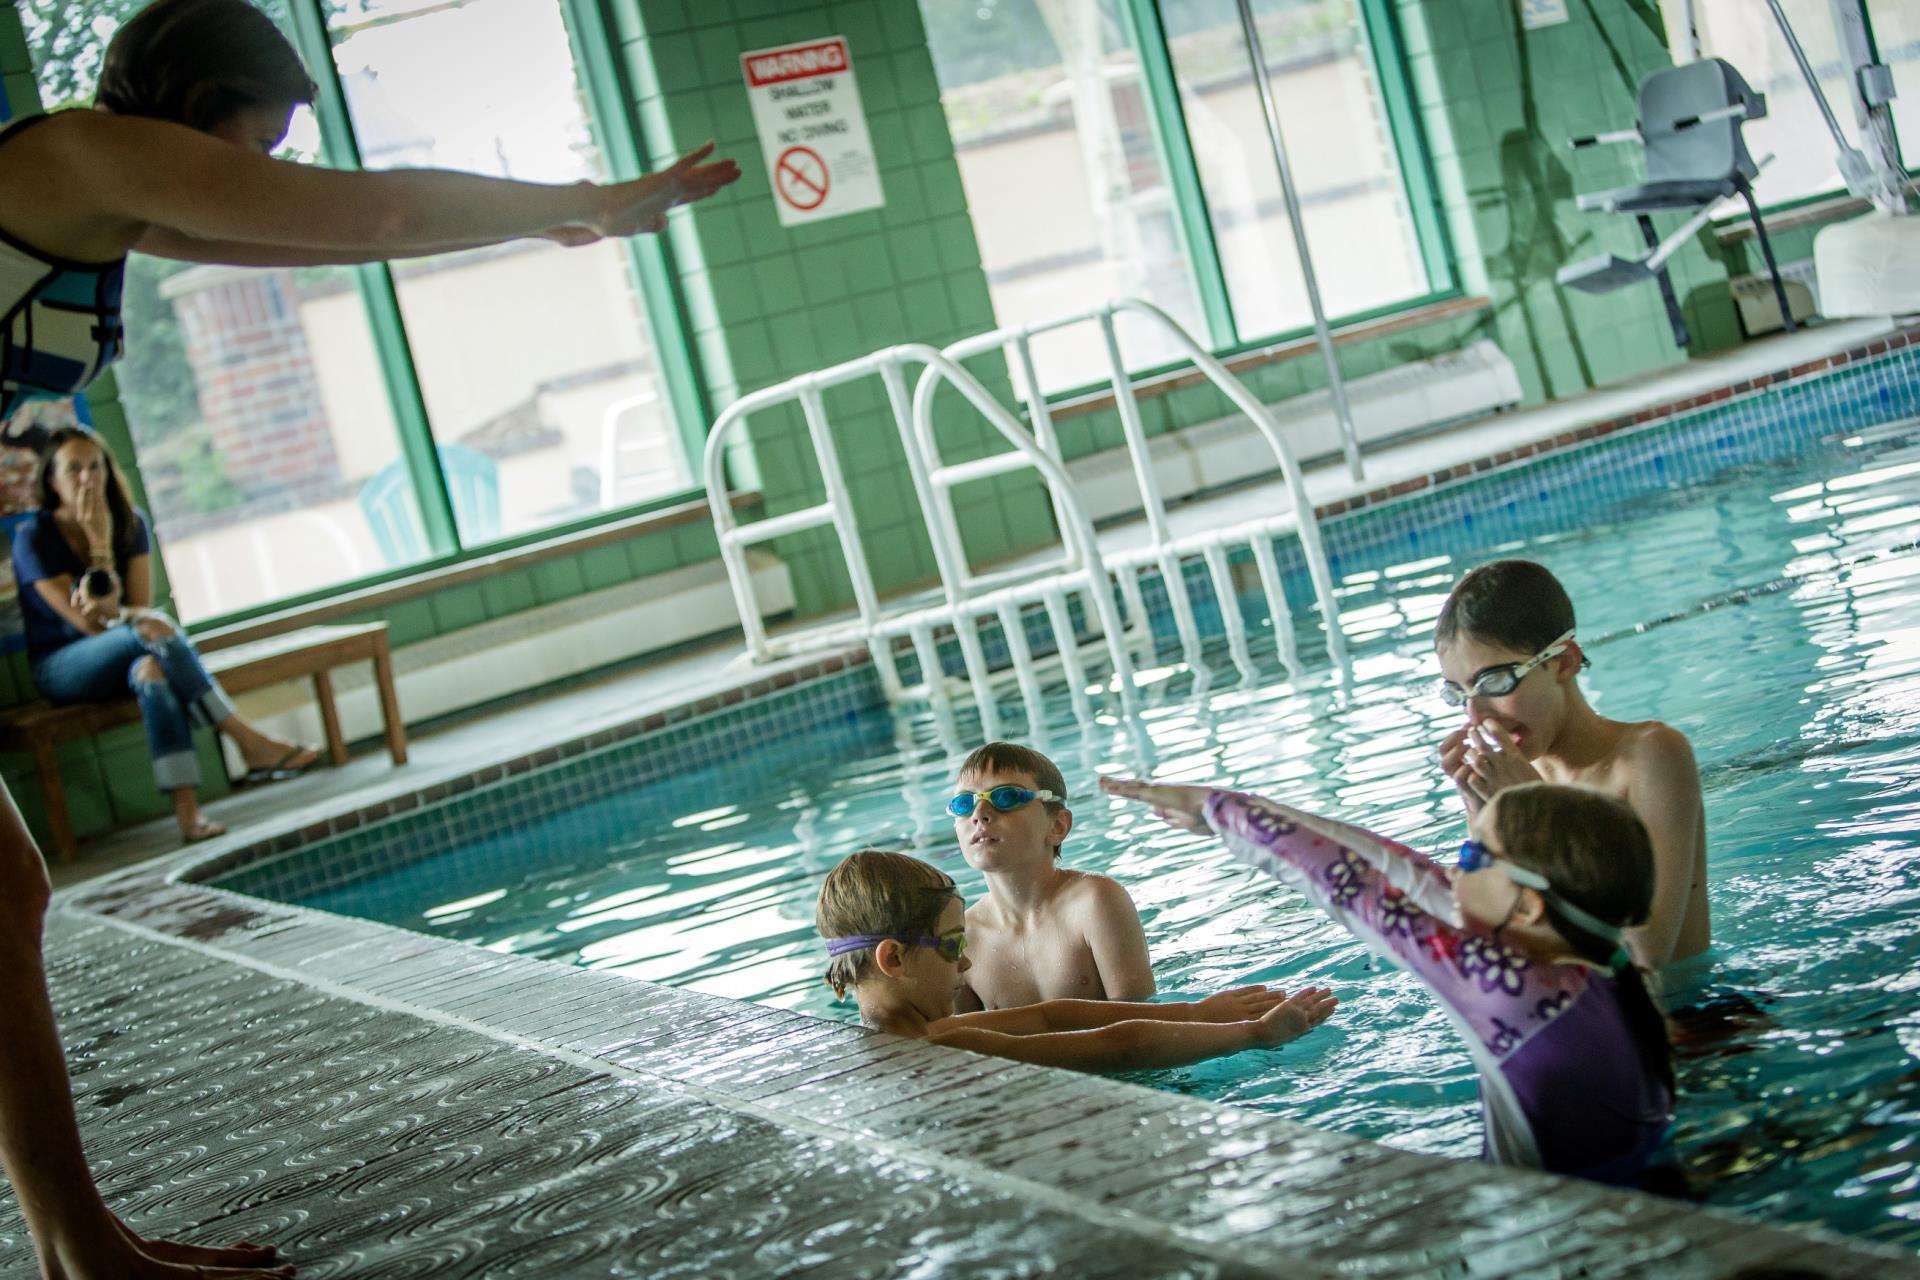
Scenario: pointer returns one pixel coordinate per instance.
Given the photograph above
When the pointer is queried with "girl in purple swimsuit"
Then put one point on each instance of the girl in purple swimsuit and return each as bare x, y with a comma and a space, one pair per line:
1522, 947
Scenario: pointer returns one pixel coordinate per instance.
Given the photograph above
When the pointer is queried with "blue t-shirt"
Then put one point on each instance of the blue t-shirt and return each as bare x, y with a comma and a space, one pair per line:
39, 553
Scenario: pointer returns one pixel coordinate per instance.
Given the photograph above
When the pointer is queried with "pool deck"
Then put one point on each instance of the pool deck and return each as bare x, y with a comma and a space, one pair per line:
379, 1102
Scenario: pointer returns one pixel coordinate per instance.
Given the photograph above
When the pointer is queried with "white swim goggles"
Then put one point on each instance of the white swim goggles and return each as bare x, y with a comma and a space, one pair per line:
1497, 682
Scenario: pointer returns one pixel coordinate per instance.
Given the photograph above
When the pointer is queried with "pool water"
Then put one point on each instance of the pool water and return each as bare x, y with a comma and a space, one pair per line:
1772, 615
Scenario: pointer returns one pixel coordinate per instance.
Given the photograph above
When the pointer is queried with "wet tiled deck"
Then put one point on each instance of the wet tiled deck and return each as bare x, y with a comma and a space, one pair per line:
379, 1103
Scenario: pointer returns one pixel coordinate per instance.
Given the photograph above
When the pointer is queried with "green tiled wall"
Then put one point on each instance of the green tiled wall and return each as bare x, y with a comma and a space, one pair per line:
16, 67
1499, 104
766, 302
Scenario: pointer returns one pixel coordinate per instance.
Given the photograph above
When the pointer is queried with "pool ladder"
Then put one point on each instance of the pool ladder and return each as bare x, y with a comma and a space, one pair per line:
1011, 597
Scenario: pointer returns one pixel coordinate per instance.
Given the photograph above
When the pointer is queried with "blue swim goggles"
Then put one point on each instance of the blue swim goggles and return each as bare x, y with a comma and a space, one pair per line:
1006, 799
1475, 856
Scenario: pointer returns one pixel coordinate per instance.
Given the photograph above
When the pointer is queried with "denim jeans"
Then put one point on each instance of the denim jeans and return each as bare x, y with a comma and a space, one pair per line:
102, 667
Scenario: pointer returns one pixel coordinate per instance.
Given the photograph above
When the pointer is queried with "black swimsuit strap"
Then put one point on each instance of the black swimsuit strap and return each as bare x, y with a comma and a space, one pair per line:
15, 127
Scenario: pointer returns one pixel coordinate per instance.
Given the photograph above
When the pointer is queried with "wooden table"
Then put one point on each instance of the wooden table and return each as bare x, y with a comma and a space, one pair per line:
39, 728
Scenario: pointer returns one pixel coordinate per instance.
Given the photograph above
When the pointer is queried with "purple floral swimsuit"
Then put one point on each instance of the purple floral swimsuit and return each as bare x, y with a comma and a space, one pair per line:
1562, 1085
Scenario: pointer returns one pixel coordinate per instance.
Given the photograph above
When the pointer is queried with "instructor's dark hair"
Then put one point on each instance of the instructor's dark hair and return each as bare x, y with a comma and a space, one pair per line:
197, 62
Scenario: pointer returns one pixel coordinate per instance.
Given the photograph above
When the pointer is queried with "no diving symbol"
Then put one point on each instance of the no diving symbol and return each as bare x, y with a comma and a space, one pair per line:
800, 176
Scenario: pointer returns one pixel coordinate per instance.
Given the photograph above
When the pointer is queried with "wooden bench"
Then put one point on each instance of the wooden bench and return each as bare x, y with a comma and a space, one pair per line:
39, 728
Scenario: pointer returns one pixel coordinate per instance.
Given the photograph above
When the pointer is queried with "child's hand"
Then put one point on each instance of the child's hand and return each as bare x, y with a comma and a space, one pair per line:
1491, 761
1182, 807
1242, 1004
1452, 759
1293, 1018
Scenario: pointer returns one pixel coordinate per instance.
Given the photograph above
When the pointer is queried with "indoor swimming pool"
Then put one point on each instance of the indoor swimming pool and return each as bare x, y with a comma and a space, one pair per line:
1749, 575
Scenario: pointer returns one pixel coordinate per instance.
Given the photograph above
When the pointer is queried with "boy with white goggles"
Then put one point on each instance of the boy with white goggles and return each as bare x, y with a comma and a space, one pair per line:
1505, 640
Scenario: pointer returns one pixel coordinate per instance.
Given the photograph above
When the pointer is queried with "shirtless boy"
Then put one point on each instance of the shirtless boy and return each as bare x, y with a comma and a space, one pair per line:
1042, 932
897, 939
1508, 655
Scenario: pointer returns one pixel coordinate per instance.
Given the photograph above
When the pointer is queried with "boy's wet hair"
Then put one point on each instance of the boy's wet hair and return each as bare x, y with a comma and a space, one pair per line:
198, 62
1011, 757
878, 893
1515, 604
1597, 854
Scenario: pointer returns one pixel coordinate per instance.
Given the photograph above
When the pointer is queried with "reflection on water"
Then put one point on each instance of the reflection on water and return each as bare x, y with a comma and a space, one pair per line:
1773, 617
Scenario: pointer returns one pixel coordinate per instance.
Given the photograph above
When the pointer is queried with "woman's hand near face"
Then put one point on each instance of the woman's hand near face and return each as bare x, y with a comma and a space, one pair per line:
96, 520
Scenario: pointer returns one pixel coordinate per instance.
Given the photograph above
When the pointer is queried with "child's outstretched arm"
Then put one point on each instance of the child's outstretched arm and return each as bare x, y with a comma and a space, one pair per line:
1237, 1004
1405, 872
1128, 1042
1363, 881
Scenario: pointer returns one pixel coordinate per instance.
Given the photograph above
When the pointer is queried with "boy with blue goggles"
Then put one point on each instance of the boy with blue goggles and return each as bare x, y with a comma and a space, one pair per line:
1043, 931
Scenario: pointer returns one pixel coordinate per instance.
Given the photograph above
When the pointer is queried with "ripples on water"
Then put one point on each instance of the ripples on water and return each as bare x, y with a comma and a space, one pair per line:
1771, 616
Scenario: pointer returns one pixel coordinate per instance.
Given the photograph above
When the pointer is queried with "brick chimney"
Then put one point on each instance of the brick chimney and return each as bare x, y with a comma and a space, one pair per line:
257, 388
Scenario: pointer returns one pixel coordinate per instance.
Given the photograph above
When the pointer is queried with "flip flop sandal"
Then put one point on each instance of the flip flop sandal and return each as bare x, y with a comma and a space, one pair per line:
279, 771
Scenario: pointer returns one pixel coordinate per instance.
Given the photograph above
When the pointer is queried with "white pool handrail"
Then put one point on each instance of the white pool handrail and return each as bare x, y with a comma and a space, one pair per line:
935, 482
961, 607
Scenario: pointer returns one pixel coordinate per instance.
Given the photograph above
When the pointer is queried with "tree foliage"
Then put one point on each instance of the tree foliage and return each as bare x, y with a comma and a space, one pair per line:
68, 42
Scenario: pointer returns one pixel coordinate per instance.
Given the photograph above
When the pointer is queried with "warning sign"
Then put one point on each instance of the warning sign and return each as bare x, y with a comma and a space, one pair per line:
813, 131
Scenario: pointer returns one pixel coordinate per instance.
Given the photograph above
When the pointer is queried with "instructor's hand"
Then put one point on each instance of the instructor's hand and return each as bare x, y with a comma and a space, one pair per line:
631, 208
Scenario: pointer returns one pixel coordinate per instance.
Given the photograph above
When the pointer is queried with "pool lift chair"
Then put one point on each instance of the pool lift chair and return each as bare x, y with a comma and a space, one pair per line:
1689, 127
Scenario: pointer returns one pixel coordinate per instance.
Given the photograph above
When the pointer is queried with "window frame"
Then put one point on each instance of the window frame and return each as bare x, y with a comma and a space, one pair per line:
651, 269
1385, 50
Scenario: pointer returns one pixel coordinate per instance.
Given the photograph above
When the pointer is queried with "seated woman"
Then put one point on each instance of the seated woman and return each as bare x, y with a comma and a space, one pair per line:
89, 648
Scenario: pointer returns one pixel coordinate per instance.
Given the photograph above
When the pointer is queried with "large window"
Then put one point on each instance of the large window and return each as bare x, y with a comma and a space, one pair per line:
534, 361
256, 424
1071, 203
1055, 96
1366, 251
261, 403
1896, 33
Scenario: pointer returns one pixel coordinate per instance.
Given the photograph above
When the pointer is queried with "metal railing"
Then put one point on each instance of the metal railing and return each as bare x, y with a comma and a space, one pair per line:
965, 598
